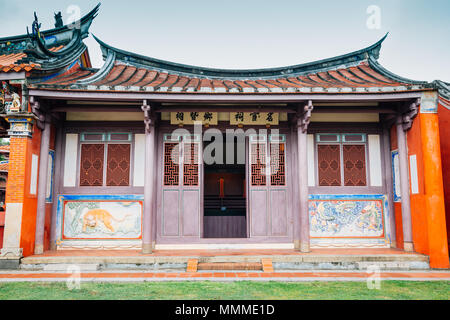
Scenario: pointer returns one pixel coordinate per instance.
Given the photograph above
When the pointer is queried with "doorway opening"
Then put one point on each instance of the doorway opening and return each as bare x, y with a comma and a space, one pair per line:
225, 204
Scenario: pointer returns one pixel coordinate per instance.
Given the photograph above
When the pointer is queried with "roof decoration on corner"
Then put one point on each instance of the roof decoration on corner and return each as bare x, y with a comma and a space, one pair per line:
46, 50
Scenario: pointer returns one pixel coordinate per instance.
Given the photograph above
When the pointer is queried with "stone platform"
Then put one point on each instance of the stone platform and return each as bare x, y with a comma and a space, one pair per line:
282, 260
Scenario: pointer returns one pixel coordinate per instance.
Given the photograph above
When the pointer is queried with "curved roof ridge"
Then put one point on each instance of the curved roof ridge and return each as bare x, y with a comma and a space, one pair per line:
102, 72
352, 58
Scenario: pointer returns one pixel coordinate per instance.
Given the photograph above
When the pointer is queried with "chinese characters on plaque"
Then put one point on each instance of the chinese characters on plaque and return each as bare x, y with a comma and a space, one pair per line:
236, 118
254, 118
205, 118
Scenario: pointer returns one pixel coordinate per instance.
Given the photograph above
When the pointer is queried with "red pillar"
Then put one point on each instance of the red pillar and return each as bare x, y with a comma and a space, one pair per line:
434, 191
20, 219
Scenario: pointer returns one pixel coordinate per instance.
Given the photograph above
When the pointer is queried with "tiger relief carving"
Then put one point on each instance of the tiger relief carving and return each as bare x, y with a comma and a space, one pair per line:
93, 217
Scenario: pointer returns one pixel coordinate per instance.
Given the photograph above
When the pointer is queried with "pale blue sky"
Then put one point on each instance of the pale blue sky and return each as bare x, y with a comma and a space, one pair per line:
258, 34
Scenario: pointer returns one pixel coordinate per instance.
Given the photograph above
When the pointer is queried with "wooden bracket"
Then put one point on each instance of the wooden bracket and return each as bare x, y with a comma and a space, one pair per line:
304, 116
148, 119
36, 110
407, 116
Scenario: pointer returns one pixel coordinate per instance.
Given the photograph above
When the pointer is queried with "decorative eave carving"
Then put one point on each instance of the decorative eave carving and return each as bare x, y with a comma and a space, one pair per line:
36, 110
149, 119
407, 115
304, 116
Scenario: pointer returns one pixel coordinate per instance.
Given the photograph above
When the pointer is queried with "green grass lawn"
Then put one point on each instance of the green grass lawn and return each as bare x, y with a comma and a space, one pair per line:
205, 290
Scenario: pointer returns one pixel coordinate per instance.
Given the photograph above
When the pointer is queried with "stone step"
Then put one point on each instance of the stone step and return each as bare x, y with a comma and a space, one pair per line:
353, 265
277, 263
71, 268
229, 266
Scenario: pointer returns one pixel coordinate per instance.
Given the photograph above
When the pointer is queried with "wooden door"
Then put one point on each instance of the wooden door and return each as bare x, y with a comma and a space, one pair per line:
181, 187
268, 194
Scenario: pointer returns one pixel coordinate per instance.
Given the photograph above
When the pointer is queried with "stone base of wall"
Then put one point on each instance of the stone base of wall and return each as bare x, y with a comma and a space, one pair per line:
9, 264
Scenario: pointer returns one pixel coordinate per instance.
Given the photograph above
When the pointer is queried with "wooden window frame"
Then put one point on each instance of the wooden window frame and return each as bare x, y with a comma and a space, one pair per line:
267, 141
281, 139
80, 164
181, 141
106, 142
340, 142
107, 163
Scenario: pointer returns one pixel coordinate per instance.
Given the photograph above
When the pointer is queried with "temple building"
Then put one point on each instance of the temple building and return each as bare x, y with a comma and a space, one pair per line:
154, 155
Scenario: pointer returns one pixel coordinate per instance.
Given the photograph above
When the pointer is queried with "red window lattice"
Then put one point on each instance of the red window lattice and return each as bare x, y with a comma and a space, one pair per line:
190, 164
171, 166
329, 167
277, 164
354, 165
258, 164
91, 165
118, 165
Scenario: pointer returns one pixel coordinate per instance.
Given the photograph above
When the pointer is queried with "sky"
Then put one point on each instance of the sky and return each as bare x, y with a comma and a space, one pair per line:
246, 34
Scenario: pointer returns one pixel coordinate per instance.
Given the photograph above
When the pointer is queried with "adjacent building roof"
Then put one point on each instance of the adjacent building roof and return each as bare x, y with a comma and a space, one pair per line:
47, 50
13, 62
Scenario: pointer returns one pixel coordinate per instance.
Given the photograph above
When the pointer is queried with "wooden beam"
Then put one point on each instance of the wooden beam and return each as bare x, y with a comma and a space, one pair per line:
230, 108
353, 110
220, 98
95, 108
213, 108
13, 76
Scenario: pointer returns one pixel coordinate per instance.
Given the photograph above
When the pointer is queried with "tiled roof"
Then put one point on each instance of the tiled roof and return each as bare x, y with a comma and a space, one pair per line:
11, 62
358, 72
444, 92
444, 102
122, 77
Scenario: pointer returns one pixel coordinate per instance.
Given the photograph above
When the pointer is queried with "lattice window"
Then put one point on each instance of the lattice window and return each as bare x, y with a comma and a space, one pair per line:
277, 164
258, 164
171, 165
190, 164
118, 165
91, 165
329, 167
354, 165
